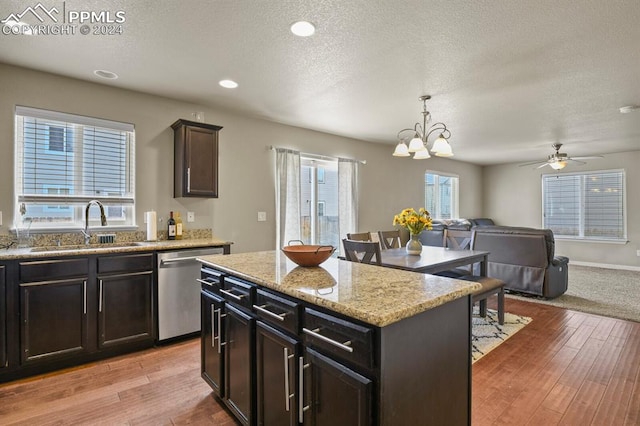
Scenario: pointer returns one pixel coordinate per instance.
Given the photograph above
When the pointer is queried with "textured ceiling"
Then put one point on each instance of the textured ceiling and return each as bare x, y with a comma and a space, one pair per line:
508, 77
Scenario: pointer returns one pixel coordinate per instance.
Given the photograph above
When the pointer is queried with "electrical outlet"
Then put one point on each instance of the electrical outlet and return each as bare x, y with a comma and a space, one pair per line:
638, 253
1, 221
262, 216
191, 217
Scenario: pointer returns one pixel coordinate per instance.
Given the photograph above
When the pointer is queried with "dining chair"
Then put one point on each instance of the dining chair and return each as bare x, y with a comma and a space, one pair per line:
389, 239
359, 236
362, 251
456, 239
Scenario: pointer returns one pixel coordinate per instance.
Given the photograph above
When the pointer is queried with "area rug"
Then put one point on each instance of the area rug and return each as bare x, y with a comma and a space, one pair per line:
487, 334
609, 292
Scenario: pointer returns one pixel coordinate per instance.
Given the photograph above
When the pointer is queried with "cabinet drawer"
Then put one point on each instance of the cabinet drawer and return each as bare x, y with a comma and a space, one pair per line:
211, 279
277, 311
49, 270
125, 263
238, 292
344, 339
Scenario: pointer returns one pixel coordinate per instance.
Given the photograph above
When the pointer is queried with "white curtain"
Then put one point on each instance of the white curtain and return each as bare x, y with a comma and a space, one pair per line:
347, 198
287, 196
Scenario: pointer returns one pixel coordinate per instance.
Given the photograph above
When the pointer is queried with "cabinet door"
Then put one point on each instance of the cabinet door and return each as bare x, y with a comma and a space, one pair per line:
202, 162
195, 159
212, 350
124, 308
54, 319
333, 393
276, 368
239, 363
3, 317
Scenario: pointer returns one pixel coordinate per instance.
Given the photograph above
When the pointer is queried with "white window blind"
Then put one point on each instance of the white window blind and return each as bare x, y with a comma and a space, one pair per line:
588, 205
441, 195
83, 158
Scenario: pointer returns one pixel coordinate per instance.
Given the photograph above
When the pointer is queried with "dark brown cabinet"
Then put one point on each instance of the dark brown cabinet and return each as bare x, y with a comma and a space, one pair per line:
314, 366
3, 316
277, 377
212, 351
76, 309
333, 394
239, 363
54, 309
195, 159
125, 288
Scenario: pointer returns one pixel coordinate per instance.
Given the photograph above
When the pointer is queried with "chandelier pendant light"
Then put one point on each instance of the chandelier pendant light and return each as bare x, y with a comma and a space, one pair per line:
418, 137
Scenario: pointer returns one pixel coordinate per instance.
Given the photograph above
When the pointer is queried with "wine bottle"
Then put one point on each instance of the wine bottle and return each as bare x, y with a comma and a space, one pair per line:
171, 227
178, 226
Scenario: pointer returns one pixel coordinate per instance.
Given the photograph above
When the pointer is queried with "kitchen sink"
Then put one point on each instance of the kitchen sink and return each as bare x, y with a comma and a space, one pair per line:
83, 247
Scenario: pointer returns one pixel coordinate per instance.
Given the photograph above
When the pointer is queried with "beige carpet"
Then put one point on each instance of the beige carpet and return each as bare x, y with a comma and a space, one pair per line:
609, 292
487, 334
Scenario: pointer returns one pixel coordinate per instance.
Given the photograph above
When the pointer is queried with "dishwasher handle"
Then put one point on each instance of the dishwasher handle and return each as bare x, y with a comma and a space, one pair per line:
177, 260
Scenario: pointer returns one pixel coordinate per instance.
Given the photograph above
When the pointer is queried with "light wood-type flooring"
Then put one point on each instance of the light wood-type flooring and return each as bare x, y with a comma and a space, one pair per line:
565, 367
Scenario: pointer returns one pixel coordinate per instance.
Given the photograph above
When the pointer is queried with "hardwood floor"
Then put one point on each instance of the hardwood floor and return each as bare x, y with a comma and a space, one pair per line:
565, 368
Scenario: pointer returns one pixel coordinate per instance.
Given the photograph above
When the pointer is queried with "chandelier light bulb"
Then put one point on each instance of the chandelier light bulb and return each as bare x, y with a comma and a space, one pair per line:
401, 150
423, 154
416, 144
558, 165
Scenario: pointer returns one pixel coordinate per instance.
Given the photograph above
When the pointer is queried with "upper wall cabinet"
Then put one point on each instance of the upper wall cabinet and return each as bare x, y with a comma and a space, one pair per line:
195, 159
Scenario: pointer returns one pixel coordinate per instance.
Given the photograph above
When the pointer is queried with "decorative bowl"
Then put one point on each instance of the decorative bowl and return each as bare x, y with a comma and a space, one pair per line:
306, 254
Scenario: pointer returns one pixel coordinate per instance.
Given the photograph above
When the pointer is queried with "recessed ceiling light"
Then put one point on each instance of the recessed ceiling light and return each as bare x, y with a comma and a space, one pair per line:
228, 84
629, 108
303, 29
106, 74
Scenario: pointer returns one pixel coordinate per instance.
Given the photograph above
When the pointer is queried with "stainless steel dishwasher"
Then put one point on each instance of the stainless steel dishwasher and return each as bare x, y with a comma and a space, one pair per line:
179, 292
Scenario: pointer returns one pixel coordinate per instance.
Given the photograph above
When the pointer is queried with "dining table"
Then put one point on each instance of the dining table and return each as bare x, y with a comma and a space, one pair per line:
434, 259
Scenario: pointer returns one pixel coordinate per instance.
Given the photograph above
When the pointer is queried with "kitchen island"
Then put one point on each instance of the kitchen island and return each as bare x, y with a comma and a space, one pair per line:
343, 343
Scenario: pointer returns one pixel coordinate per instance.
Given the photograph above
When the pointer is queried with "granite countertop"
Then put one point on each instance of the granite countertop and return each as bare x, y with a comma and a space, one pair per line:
376, 295
123, 247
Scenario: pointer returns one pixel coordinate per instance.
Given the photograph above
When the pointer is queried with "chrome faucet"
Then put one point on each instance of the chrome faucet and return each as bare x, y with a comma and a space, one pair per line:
103, 219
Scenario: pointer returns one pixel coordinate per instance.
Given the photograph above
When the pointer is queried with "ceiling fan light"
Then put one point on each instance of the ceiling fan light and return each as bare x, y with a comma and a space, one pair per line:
416, 144
423, 154
401, 150
558, 165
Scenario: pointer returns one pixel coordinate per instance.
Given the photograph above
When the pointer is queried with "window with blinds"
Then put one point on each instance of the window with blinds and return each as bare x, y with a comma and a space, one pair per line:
63, 161
587, 205
441, 195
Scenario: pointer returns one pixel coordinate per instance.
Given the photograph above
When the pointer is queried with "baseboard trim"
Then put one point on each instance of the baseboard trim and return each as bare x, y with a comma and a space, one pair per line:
605, 265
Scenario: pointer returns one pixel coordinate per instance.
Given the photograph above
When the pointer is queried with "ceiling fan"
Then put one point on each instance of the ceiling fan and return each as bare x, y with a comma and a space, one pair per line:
558, 160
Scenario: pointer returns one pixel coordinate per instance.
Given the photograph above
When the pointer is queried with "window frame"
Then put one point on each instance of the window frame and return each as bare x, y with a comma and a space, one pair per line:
88, 133
581, 237
455, 199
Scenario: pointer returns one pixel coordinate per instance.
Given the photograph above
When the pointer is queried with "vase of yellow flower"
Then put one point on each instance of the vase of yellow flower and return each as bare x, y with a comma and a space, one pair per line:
415, 222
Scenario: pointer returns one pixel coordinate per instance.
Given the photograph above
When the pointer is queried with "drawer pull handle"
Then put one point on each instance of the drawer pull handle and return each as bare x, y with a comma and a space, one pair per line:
220, 342
279, 317
287, 393
100, 297
214, 311
301, 407
235, 296
346, 346
205, 282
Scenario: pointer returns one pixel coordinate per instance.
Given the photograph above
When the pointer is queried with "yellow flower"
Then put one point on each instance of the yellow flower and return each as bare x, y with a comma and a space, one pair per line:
414, 221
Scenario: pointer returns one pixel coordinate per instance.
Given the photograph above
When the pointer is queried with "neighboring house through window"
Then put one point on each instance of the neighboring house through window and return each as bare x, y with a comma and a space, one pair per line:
441, 195
63, 161
585, 206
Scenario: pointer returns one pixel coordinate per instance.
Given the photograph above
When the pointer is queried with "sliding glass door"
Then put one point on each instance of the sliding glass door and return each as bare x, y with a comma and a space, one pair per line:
319, 201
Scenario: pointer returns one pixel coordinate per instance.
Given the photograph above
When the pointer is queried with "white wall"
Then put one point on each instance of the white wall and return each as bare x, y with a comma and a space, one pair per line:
513, 196
388, 184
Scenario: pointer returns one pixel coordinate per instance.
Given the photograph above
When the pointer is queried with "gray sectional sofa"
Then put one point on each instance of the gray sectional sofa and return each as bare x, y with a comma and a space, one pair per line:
524, 258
